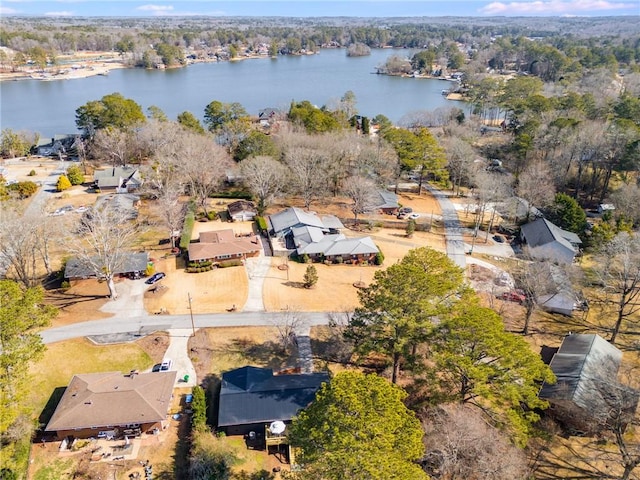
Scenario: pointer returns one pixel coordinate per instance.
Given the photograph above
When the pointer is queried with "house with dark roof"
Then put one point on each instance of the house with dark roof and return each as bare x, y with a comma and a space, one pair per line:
546, 241
222, 245
58, 145
119, 179
295, 231
242, 211
130, 264
587, 391
252, 398
112, 404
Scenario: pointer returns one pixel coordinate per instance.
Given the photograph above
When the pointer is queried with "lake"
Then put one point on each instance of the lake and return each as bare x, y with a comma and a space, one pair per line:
48, 107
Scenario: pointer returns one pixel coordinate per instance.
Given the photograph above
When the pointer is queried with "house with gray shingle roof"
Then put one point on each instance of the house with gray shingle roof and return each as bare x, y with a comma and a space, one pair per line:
586, 391
131, 263
546, 241
386, 202
120, 179
304, 233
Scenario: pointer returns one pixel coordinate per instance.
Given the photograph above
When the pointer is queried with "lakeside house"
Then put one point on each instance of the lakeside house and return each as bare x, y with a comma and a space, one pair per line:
112, 405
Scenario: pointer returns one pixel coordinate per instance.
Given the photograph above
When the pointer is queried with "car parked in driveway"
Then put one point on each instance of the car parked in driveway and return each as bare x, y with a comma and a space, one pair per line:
517, 296
498, 238
156, 277
413, 216
166, 364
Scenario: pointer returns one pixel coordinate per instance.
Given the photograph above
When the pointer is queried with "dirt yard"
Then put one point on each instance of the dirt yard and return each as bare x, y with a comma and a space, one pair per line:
80, 303
211, 292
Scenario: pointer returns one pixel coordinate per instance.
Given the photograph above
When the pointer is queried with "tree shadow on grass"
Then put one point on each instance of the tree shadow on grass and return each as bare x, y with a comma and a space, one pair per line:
268, 353
293, 284
65, 300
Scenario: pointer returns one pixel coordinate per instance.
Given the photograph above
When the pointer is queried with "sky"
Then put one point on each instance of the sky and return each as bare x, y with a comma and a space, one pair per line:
314, 8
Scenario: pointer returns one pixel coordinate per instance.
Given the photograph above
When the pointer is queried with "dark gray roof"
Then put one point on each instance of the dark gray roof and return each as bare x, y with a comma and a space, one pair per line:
132, 262
586, 367
255, 395
542, 231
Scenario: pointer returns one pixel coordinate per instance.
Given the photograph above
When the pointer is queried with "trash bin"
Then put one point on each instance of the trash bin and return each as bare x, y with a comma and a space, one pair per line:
186, 378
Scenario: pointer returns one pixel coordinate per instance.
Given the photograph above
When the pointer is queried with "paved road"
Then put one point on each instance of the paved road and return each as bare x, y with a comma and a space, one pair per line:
165, 322
452, 227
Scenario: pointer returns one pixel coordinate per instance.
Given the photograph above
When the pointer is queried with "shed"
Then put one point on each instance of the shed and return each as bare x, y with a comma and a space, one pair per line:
586, 367
242, 211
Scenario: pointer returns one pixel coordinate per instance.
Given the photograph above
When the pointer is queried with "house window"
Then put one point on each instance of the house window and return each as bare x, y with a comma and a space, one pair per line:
223, 257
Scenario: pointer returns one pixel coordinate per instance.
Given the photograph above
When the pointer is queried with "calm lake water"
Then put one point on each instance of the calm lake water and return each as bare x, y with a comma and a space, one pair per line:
49, 107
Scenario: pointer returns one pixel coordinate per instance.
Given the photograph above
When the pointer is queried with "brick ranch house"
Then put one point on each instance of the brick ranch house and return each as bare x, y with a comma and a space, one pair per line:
216, 246
112, 404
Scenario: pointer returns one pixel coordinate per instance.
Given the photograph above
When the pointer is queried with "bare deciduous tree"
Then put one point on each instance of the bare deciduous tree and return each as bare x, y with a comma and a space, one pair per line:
362, 193
618, 268
535, 185
265, 178
205, 166
288, 324
112, 145
460, 162
307, 172
172, 209
25, 244
626, 200
103, 241
460, 444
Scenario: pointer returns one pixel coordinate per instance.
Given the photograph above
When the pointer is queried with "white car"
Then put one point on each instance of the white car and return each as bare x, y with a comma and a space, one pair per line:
166, 365
413, 216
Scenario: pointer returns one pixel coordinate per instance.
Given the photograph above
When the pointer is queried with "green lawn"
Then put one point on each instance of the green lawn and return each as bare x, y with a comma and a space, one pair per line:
65, 359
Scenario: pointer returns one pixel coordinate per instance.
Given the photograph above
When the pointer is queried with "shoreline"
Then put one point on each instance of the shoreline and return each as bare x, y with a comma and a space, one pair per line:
91, 68
70, 73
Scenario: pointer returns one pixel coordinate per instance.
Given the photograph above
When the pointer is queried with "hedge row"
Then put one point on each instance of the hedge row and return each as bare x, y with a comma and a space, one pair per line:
187, 226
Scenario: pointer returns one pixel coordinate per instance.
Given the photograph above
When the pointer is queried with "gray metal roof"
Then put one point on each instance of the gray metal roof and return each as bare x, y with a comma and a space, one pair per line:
132, 262
254, 395
586, 368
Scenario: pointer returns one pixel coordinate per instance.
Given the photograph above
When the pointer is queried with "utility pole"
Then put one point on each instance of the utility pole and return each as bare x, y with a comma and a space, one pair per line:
193, 327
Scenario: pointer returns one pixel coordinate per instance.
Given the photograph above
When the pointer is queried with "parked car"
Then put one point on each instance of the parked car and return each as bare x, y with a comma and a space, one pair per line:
405, 210
498, 238
413, 216
517, 296
166, 364
156, 277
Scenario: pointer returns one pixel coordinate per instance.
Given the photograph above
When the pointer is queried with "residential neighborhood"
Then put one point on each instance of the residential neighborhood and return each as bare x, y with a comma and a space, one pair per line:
301, 291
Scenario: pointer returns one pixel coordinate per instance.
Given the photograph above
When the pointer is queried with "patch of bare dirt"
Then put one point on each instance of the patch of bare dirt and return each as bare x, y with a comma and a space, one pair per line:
80, 303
